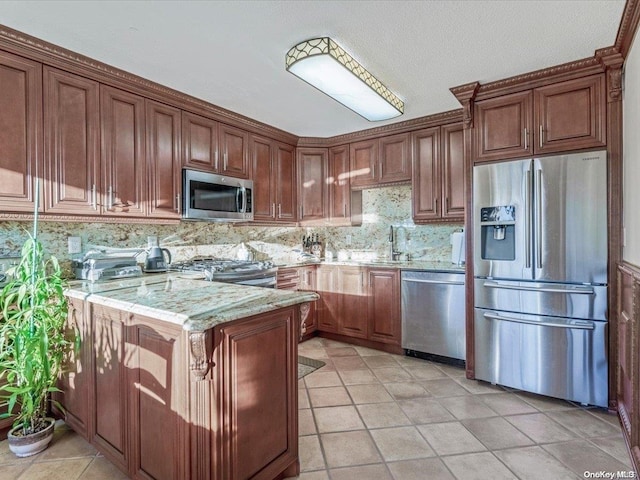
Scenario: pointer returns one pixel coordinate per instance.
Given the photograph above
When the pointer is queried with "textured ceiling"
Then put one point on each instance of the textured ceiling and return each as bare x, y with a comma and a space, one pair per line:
231, 53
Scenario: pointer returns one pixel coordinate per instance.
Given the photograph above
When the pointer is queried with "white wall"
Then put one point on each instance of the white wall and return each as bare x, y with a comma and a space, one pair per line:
631, 156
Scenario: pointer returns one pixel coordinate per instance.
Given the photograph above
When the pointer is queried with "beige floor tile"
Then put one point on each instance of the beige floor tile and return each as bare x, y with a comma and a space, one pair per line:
348, 363
11, 472
368, 394
306, 424
610, 418
367, 472
67, 444
303, 399
468, 407
478, 386
450, 438
328, 365
380, 415
327, 343
358, 377
310, 453
583, 423
425, 410
478, 466
424, 372
496, 433
444, 387
507, 404
392, 374
8, 458
401, 443
581, 456
341, 351
614, 446
420, 469
367, 352
328, 397
318, 475
56, 469
406, 390
337, 419
346, 449
317, 353
540, 428
453, 371
101, 469
411, 361
544, 404
322, 379
380, 361
533, 463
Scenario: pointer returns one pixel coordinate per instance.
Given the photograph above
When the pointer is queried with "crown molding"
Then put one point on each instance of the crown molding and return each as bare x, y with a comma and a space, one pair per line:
380, 185
628, 27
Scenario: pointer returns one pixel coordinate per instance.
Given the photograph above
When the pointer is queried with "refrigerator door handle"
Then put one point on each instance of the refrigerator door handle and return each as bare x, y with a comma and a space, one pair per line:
582, 290
538, 218
527, 220
575, 324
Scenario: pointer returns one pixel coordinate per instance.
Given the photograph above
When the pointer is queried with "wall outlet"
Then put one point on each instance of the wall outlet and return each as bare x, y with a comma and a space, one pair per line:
348, 240
75, 245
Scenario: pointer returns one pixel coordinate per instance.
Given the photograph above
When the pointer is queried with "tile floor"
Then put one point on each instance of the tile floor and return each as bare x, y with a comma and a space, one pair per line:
368, 415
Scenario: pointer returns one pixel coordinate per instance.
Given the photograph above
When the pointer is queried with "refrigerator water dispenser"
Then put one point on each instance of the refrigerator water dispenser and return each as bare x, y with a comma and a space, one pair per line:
497, 226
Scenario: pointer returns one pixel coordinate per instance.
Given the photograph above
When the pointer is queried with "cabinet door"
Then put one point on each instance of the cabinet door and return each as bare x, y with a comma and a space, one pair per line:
163, 160
625, 364
285, 181
452, 171
234, 150
123, 152
395, 160
313, 191
307, 277
72, 142
384, 305
20, 131
261, 151
503, 127
426, 174
329, 304
570, 115
353, 309
339, 187
363, 158
200, 142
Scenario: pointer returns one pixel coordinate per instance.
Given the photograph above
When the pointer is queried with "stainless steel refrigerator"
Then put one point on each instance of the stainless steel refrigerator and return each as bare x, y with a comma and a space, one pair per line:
540, 266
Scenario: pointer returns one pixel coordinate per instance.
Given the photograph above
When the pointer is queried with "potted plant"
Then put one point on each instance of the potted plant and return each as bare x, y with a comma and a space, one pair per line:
33, 311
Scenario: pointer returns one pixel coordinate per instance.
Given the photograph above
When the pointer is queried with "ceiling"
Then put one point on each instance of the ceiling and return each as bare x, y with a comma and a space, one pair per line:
231, 53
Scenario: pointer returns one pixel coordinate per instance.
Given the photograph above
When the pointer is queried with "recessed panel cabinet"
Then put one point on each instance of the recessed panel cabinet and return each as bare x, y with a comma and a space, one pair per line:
563, 116
20, 131
380, 161
384, 305
313, 191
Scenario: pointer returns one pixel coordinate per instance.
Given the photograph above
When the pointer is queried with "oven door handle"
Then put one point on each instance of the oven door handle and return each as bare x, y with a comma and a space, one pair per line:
581, 290
577, 324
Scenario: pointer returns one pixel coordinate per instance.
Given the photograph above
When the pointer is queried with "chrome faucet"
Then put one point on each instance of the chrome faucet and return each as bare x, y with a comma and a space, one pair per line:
393, 253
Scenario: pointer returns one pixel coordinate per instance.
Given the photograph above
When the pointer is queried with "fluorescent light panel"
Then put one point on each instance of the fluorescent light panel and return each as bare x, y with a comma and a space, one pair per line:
321, 62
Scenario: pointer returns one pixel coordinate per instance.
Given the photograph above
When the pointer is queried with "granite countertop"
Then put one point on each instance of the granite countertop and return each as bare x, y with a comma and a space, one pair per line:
195, 304
402, 265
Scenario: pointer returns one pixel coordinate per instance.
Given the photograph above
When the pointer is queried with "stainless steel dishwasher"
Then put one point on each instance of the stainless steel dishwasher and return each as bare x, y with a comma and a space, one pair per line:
433, 315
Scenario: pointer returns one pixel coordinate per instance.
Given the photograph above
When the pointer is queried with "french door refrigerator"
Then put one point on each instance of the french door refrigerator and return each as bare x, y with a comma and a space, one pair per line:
540, 267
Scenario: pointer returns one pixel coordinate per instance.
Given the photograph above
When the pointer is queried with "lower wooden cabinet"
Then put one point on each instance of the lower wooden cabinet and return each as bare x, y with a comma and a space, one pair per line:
301, 278
167, 404
384, 305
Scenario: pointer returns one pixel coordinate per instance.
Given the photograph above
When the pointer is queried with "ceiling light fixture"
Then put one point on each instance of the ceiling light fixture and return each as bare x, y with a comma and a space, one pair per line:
323, 63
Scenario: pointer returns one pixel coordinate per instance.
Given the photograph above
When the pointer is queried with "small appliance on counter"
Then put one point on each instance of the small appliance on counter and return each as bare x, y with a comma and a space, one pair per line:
99, 266
156, 261
457, 248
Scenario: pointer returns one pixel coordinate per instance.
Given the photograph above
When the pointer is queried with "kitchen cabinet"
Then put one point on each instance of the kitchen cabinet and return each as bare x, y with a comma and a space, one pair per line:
163, 160
345, 205
72, 143
20, 131
438, 174
274, 180
330, 303
304, 279
215, 147
124, 170
313, 191
353, 292
384, 305
381, 161
564, 116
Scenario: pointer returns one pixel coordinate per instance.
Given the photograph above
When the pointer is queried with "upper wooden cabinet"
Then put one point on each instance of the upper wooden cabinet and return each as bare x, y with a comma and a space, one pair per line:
438, 174
20, 131
123, 152
559, 117
214, 147
163, 160
72, 143
380, 161
313, 190
274, 180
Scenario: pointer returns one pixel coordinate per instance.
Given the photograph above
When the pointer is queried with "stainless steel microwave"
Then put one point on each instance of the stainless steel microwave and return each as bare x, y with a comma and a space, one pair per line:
216, 198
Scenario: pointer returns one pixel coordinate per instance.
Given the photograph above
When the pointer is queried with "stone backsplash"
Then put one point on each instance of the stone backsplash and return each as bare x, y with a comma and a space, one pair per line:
382, 208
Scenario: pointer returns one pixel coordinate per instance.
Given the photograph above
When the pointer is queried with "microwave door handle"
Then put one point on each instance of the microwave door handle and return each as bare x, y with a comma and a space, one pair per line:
242, 196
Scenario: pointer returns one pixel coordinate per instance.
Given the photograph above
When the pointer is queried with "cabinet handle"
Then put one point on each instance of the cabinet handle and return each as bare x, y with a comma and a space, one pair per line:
446, 204
110, 198
526, 139
178, 203
215, 162
94, 198
273, 210
345, 210
541, 136
301, 212
435, 201
279, 210
225, 162
373, 170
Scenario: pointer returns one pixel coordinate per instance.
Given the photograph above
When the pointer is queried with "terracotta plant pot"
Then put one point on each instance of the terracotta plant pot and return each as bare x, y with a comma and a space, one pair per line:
25, 446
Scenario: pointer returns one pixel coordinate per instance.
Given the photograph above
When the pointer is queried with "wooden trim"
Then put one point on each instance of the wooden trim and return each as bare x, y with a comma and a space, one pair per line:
380, 185
628, 27
24, 217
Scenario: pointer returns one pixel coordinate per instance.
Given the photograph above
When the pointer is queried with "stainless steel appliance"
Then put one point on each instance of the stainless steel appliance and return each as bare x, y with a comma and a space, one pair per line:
433, 315
540, 266
157, 259
100, 267
255, 273
206, 196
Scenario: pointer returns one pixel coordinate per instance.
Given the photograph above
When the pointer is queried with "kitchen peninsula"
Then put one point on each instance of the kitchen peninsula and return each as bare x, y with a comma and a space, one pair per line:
181, 378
